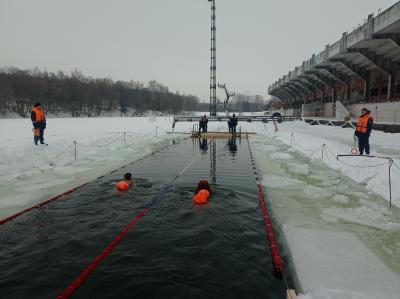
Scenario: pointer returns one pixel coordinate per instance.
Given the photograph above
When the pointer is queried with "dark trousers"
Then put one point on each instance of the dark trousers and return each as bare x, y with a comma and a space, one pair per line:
203, 127
363, 143
40, 138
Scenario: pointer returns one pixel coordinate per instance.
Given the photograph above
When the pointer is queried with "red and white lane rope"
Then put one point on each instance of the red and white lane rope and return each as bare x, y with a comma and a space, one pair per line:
268, 226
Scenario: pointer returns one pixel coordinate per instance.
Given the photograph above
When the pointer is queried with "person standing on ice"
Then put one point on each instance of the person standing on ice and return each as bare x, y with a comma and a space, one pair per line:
233, 121
363, 130
203, 123
39, 123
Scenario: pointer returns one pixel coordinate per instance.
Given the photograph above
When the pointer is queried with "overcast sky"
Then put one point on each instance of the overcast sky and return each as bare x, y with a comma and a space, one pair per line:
168, 40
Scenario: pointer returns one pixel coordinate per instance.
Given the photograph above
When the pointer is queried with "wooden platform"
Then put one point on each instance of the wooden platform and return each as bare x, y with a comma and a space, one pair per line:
220, 134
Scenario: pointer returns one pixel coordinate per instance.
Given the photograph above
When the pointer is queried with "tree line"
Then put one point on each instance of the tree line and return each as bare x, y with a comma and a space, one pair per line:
78, 95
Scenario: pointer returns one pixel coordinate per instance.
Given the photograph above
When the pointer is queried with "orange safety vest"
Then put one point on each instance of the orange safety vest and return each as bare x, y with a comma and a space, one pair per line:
39, 113
123, 185
201, 196
362, 125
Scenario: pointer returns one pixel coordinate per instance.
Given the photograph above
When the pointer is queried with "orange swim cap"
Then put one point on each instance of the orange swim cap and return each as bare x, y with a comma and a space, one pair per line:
201, 196
123, 185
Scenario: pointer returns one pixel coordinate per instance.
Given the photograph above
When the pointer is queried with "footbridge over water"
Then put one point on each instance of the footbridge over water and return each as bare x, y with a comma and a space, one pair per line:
361, 67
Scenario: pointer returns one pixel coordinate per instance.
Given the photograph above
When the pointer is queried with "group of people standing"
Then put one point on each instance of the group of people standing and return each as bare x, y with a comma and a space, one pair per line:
203, 123
232, 124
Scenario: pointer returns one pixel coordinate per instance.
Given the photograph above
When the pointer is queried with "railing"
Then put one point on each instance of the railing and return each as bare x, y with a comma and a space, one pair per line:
379, 115
240, 118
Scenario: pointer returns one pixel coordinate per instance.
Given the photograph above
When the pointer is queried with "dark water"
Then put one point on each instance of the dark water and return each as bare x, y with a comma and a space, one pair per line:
178, 250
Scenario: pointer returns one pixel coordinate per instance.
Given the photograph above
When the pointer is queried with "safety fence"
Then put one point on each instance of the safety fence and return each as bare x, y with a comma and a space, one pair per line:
326, 153
125, 139
328, 122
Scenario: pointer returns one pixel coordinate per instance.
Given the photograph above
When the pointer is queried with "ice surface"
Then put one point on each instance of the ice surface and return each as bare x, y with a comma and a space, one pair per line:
326, 196
373, 172
340, 199
299, 168
316, 192
277, 182
281, 156
364, 216
338, 265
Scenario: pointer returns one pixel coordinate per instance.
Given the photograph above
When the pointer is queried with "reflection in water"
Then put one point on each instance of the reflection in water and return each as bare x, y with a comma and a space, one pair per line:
213, 161
203, 145
232, 145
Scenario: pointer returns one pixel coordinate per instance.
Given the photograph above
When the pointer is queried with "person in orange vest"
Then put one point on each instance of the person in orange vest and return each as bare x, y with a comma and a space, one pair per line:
126, 183
363, 130
39, 123
203, 192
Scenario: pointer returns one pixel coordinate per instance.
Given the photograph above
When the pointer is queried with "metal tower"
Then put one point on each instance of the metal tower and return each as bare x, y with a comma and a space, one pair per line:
213, 63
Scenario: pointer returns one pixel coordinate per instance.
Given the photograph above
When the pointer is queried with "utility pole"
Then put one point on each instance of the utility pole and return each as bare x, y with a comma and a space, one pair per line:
213, 63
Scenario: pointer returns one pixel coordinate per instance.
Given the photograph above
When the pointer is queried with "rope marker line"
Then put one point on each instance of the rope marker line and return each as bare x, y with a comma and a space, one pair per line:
277, 260
67, 293
41, 204
84, 275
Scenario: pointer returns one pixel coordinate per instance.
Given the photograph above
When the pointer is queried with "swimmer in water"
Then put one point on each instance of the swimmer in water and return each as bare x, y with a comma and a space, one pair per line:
126, 183
203, 192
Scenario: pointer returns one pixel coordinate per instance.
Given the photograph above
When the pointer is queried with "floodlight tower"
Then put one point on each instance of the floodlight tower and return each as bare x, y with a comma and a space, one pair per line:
213, 63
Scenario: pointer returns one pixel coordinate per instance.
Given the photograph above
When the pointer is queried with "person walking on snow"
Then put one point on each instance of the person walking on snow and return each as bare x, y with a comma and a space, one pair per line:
39, 123
363, 130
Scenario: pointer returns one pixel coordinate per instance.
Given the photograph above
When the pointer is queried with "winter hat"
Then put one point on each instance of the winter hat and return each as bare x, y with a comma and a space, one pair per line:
37, 104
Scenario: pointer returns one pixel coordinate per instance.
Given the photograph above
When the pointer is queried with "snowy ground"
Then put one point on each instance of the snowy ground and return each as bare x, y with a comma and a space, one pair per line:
333, 214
